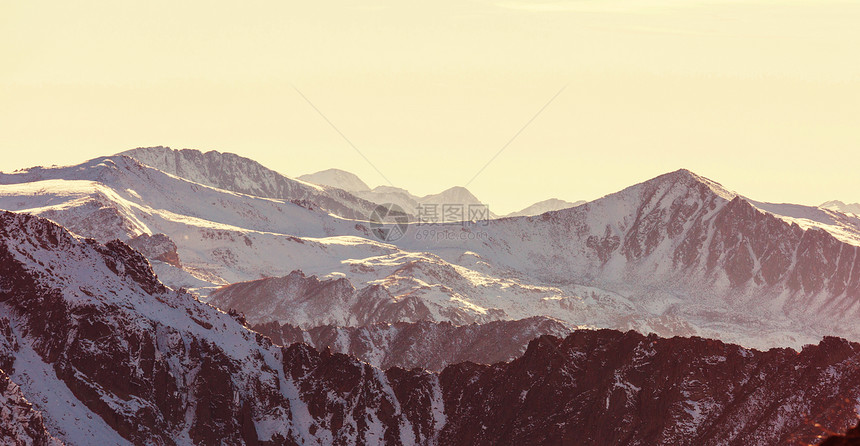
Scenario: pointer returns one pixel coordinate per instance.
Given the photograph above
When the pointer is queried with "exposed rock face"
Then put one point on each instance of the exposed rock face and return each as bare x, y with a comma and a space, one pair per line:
426, 345
239, 174
156, 247
606, 387
20, 424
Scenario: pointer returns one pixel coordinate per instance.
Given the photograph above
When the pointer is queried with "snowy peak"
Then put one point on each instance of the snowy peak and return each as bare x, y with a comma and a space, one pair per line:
459, 200
669, 199
687, 178
340, 179
235, 173
656, 255
104, 169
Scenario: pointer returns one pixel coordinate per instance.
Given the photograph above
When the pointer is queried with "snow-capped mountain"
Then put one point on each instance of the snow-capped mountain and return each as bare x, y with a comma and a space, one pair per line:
681, 245
109, 355
450, 205
676, 255
845, 208
222, 237
234, 173
340, 179
426, 345
215, 230
541, 207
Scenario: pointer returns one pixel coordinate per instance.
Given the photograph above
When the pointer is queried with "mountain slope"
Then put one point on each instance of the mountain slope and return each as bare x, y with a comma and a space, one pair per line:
215, 230
223, 237
109, 355
541, 207
605, 387
19, 423
682, 245
234, 173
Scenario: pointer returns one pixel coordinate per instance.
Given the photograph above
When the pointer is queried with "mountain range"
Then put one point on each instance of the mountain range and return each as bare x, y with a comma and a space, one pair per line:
106, 353
164, 296
460, 196
675, 255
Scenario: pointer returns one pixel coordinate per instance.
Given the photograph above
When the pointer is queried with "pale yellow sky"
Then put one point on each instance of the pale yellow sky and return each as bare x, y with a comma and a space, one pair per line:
763, 96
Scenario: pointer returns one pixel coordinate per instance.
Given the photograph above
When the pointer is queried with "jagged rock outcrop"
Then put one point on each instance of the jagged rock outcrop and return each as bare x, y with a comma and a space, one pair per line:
20, 424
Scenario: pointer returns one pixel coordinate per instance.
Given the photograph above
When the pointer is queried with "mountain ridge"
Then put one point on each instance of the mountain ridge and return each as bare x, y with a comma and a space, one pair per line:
110, 355
675, 255
235, 173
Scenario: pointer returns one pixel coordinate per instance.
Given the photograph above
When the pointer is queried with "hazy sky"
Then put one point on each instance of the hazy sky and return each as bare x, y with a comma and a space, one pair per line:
762, 96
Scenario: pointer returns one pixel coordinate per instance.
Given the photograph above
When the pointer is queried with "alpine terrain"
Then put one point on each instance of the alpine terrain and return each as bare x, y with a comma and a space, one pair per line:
164, 296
